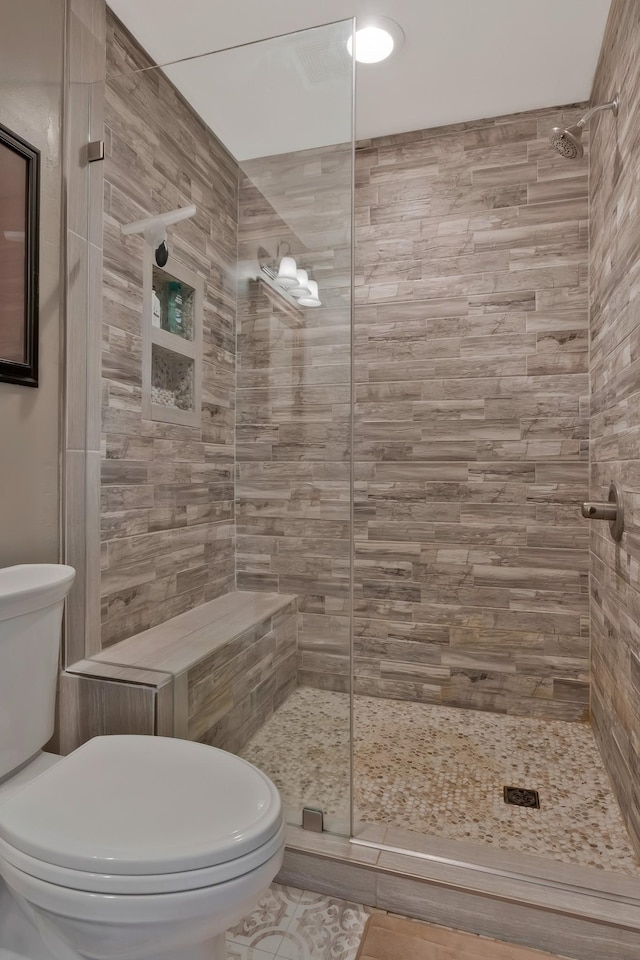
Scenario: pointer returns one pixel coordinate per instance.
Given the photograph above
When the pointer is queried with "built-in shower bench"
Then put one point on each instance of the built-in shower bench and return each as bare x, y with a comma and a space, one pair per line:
215, 673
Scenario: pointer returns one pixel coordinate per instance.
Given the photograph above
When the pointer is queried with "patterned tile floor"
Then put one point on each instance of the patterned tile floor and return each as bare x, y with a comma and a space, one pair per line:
441, 771
293, 924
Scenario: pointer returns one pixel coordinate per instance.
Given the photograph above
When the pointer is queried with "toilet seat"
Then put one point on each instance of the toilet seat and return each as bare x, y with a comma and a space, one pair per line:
142, 815
131, 884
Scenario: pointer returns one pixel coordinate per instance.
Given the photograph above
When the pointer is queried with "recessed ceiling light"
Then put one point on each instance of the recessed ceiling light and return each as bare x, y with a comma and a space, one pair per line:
375, 39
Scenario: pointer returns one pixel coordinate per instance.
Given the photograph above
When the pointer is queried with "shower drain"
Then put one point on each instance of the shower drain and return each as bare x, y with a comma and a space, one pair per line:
522, 797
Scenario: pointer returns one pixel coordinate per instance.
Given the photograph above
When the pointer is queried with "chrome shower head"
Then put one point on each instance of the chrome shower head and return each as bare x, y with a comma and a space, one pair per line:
568, 140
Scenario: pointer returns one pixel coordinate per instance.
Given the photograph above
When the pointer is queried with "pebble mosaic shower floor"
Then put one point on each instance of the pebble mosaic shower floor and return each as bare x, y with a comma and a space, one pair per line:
440, 772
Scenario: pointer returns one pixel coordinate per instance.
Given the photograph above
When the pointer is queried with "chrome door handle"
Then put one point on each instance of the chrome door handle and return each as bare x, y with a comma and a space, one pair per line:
612, 510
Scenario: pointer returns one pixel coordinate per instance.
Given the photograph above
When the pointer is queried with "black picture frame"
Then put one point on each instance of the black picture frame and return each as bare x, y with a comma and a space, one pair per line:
12, 371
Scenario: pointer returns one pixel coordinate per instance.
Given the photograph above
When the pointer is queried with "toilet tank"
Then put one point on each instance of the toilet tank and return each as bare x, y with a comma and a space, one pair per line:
31, 604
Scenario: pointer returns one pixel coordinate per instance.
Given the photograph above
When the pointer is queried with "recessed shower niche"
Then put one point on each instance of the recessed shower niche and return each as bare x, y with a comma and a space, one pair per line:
172, 360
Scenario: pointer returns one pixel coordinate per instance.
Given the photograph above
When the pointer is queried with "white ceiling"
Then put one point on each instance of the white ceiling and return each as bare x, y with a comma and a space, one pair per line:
462, 60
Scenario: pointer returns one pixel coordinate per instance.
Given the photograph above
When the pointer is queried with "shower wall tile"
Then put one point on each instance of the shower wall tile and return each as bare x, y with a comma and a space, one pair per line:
471, 420
235, 691
167, 511
615, 407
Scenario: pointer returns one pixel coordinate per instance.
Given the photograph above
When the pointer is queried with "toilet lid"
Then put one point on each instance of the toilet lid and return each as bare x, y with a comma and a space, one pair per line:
143, 805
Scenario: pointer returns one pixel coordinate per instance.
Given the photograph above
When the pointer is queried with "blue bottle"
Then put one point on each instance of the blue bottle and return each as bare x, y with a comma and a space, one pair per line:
174, 308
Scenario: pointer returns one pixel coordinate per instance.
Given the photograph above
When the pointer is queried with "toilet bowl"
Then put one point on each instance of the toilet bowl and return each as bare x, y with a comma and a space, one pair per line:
135, 847
131, 847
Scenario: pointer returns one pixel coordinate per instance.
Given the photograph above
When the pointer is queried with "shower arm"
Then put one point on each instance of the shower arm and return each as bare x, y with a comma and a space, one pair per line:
611, 105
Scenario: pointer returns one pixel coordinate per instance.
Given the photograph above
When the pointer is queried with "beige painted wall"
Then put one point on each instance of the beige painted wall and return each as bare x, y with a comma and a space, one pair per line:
31, 76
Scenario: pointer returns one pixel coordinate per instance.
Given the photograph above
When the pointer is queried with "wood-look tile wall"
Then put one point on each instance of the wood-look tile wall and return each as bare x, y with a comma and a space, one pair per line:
293, 488
615, 409
471, 413
167, 491
471, 422
471, 418
233, 692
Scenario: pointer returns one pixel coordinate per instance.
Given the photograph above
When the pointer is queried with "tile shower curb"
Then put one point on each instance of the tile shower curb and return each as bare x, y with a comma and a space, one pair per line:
585, 924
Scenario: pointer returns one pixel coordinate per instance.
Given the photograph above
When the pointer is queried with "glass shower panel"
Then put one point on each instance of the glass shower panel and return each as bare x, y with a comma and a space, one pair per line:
294, 415
254, 493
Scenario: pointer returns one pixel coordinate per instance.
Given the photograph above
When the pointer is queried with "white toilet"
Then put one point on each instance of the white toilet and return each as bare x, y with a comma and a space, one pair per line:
130, 847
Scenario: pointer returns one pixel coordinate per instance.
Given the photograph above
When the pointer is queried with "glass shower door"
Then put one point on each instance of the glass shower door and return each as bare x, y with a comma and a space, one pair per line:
245, 482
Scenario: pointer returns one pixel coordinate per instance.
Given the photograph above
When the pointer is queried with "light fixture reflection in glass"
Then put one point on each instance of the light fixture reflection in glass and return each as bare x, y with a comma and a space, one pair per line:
313, 299
288, 273
373, 44
302, 290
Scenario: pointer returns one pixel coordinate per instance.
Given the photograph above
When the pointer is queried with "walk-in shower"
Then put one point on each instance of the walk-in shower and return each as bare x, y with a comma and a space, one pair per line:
403, 458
